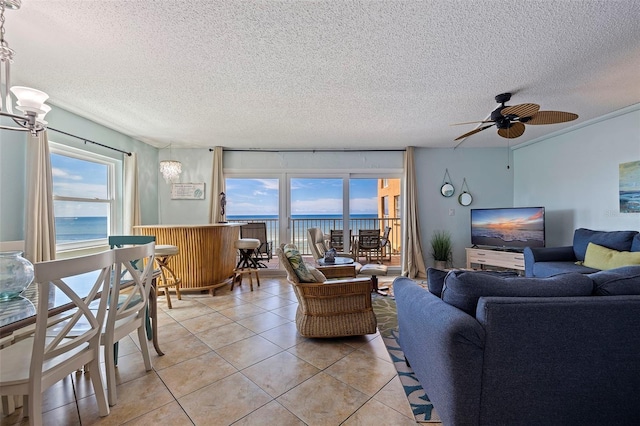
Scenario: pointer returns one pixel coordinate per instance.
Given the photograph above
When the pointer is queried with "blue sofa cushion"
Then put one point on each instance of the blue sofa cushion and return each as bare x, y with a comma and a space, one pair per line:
617, 282
549, 269
462, 289
435, 280
616, 240
635, 244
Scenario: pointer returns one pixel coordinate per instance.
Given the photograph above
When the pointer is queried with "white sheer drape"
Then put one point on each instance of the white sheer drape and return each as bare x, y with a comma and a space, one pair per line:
216, 215
40, 232
131, 196
412, 260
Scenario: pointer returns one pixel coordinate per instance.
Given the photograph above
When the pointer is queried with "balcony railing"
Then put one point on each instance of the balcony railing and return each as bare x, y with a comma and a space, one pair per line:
299, 235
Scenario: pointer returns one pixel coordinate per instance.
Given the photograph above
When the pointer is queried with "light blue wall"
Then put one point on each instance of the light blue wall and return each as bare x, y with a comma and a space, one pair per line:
12, 183
490, 184
13, 160
575, 176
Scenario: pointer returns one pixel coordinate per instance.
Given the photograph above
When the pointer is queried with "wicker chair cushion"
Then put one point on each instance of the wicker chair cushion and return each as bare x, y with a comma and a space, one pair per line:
318, 277
300, 269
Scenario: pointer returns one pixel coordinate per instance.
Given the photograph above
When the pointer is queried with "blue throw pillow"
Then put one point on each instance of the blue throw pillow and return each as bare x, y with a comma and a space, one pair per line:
635, 244
617, 282
462, 289
616, 240
435, 280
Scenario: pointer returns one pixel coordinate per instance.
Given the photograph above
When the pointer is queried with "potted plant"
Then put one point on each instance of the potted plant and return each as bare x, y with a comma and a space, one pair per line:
441, 249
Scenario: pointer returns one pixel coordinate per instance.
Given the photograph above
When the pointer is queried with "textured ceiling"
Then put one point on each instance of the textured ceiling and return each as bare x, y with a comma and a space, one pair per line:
324, 74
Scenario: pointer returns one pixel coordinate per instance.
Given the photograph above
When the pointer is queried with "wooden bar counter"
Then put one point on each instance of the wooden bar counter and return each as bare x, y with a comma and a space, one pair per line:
207, 255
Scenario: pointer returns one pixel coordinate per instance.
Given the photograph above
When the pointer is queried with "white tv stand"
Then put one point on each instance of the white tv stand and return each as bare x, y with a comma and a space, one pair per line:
498, 258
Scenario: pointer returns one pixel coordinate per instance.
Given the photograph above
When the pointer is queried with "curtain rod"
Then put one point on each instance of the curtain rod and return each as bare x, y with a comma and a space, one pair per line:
308, 150
88, 140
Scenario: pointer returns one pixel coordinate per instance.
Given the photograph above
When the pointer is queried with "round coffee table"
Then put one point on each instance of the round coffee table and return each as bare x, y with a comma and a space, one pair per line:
338, 261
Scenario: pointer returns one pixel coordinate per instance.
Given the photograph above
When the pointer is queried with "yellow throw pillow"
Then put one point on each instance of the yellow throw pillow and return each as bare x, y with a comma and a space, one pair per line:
599, 257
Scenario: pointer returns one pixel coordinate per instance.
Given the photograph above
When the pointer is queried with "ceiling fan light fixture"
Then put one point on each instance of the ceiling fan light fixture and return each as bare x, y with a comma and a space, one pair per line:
29, 101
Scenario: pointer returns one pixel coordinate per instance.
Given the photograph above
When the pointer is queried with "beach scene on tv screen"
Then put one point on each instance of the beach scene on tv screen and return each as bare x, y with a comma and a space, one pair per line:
519, 227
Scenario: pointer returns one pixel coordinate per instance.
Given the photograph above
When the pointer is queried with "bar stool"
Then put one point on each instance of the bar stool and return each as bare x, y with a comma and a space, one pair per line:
163, 254
247, 264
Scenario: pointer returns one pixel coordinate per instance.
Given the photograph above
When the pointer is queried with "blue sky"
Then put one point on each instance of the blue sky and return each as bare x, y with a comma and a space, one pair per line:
78, 178
308, 196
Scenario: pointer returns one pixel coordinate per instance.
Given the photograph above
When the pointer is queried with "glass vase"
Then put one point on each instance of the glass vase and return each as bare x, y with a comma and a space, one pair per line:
16, 273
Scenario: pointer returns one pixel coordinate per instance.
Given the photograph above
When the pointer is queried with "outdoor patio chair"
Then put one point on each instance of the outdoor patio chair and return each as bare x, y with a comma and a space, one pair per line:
336, 238
385, 242
368, 243
258, 231
318, 246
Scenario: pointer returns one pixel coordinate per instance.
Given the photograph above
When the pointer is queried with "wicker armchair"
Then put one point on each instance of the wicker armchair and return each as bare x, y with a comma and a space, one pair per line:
334, 308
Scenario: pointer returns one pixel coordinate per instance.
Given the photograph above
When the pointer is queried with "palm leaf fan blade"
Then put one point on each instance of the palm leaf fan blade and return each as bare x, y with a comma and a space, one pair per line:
552, 117
516, 130
473, 132
522, 110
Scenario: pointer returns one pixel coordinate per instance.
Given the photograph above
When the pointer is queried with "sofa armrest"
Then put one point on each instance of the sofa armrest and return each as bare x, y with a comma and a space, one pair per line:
444, 346
546, 254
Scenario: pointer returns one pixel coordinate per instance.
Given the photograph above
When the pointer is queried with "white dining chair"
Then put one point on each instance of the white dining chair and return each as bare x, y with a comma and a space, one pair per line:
133, 275
35, 363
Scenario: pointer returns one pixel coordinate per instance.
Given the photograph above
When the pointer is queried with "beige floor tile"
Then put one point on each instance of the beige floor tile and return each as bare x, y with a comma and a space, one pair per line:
247, 295
376, 413
320, 352
60, 394
206, 322
195, 373
164, 318
323, 400
188, 309
270, 415
280, 373
66, 415
220, 303
169, 414
224, 401
272, 302
170, 332
224, 335
239, 312
284, 336
249, 351
393, 395
288, 312
363, 371
130, 367
178, 351
377, 347
263, 322
135, 398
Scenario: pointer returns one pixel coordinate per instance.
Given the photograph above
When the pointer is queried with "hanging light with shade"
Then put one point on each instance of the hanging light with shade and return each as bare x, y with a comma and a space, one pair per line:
29, 101
170, 169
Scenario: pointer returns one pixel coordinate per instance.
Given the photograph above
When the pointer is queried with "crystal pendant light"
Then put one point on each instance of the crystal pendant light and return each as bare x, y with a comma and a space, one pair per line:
170, 169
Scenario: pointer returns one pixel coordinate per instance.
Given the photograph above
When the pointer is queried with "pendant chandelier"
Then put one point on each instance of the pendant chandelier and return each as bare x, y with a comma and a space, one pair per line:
29, 101
170, 169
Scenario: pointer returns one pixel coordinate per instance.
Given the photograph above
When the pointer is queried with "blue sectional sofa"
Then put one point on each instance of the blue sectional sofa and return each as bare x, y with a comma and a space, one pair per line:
498, 349
549, 261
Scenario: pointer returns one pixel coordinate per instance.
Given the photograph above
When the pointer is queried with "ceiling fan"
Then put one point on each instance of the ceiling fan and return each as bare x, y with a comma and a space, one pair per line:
510, 119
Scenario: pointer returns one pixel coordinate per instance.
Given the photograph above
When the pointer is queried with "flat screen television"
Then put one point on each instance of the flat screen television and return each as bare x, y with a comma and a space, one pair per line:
509, 228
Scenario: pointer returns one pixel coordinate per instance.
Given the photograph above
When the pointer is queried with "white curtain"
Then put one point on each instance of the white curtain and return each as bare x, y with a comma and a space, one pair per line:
131, 196
40, 233
412, 260
216, 212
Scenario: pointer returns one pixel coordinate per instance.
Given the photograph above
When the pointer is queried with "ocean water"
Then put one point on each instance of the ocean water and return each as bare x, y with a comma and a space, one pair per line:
69, 229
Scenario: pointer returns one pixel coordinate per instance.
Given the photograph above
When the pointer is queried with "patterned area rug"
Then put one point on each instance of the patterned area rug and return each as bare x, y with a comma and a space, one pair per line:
386, 313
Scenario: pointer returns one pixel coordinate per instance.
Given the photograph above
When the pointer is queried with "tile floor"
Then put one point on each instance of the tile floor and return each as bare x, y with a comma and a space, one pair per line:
236, 358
